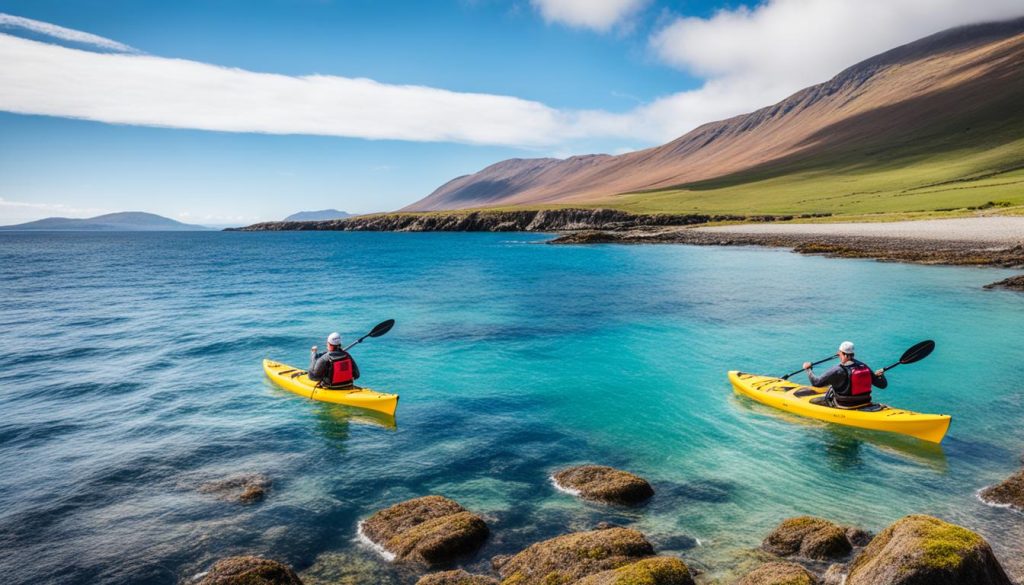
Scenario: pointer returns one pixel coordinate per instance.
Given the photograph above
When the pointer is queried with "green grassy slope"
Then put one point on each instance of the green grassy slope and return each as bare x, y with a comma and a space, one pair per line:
946, 169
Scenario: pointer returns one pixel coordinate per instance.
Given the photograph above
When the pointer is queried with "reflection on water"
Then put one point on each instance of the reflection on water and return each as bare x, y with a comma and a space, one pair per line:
842, 446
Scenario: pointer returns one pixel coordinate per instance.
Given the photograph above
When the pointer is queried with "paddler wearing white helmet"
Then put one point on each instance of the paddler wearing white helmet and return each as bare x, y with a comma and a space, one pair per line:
335, 368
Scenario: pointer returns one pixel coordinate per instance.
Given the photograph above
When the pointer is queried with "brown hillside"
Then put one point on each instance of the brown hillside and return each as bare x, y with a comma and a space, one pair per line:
904, 98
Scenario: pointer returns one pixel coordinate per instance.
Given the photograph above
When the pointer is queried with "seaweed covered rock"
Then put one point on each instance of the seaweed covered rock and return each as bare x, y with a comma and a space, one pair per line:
432, 530
601, 483
920, 550
571, 557
834, 575
246, 488
652, 571
778, 574
456, 577
1008, 493
248, 570
807, 536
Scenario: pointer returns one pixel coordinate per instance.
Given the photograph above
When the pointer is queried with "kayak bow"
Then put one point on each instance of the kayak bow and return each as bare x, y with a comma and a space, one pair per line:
296, 380
792, 397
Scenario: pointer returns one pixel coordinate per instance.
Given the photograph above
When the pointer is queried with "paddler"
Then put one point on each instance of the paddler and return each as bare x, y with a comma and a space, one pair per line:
849, 382
335, 368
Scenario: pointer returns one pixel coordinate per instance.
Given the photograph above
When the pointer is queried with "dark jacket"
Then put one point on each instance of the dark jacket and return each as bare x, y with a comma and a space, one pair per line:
319, 362
838, 378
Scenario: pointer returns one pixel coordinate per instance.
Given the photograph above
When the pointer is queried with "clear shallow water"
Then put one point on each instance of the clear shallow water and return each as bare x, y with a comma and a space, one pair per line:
512, 359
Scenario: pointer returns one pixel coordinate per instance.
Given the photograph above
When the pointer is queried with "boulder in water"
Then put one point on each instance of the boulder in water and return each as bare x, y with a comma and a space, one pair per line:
920, 550
778, 574
601, 483
1008, 493
810, 537
249, 570
651, 571
432, 530
570, 557
457, 577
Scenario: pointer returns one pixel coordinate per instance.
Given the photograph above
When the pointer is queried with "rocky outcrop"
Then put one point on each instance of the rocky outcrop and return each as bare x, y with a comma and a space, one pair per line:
249, 570
779, 574
601, 483
652, 571
834, 575
810, 537
548, 220
570, 557
247, 489
432, 530
1012, 283
1010, 492
920, 550
457, 577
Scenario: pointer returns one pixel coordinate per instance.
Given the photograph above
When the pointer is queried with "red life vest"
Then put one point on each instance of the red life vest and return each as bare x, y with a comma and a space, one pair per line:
340, 372
860, 379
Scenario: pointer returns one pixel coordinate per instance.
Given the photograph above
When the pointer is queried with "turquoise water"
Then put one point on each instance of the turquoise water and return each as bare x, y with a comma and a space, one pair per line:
132, 374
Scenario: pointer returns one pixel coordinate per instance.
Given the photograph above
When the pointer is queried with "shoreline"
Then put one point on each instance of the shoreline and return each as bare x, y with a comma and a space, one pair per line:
994, 242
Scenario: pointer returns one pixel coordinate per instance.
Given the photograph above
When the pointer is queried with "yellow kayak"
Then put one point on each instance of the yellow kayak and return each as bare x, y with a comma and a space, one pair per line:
296, 380
793, 397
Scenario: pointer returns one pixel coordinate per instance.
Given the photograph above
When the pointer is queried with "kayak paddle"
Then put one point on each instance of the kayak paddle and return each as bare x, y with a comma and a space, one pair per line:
377, 331
828, 359
915, 354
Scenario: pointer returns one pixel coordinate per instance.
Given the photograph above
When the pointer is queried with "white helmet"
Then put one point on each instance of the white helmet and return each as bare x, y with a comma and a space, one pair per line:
846, 347
334, 339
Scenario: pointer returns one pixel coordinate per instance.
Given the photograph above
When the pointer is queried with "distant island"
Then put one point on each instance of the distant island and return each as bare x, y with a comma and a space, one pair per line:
126, 221
322, 215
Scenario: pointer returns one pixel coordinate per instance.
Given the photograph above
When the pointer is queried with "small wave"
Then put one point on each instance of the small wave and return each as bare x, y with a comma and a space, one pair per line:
562, 488
361, 538
977, 494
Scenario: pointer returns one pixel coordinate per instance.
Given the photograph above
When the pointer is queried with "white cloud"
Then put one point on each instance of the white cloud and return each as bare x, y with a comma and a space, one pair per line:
64, 34
599, 15
749, 58
752, 57
40, 78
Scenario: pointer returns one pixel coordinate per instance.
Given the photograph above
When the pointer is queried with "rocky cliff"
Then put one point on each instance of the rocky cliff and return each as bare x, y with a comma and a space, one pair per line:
551, 220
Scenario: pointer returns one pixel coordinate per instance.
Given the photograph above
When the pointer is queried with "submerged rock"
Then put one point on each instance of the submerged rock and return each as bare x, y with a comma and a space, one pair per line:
352, 568
248, 570
247, 488
1008, 493
457, 577
779, 574
652, 571
571, 557
920, 550
807, 536
601, 483
432, 530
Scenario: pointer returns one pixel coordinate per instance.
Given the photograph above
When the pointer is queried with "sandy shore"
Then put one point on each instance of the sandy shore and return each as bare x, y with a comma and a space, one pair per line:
995, 230
981, 241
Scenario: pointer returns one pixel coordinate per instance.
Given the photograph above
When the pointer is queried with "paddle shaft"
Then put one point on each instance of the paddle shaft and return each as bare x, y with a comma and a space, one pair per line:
828, 359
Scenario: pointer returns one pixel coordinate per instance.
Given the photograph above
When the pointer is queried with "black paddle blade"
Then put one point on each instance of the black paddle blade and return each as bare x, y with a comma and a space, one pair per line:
382, 328
918, 352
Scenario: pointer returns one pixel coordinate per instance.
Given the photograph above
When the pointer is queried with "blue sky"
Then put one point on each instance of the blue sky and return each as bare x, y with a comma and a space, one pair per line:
230, 111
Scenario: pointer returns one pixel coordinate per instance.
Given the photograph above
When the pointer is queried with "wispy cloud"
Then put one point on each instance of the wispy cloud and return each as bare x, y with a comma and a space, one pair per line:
9, 21
599, 15
47, 79
749, 57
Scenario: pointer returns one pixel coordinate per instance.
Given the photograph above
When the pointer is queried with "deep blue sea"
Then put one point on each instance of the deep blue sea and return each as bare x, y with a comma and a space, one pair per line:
131, 375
